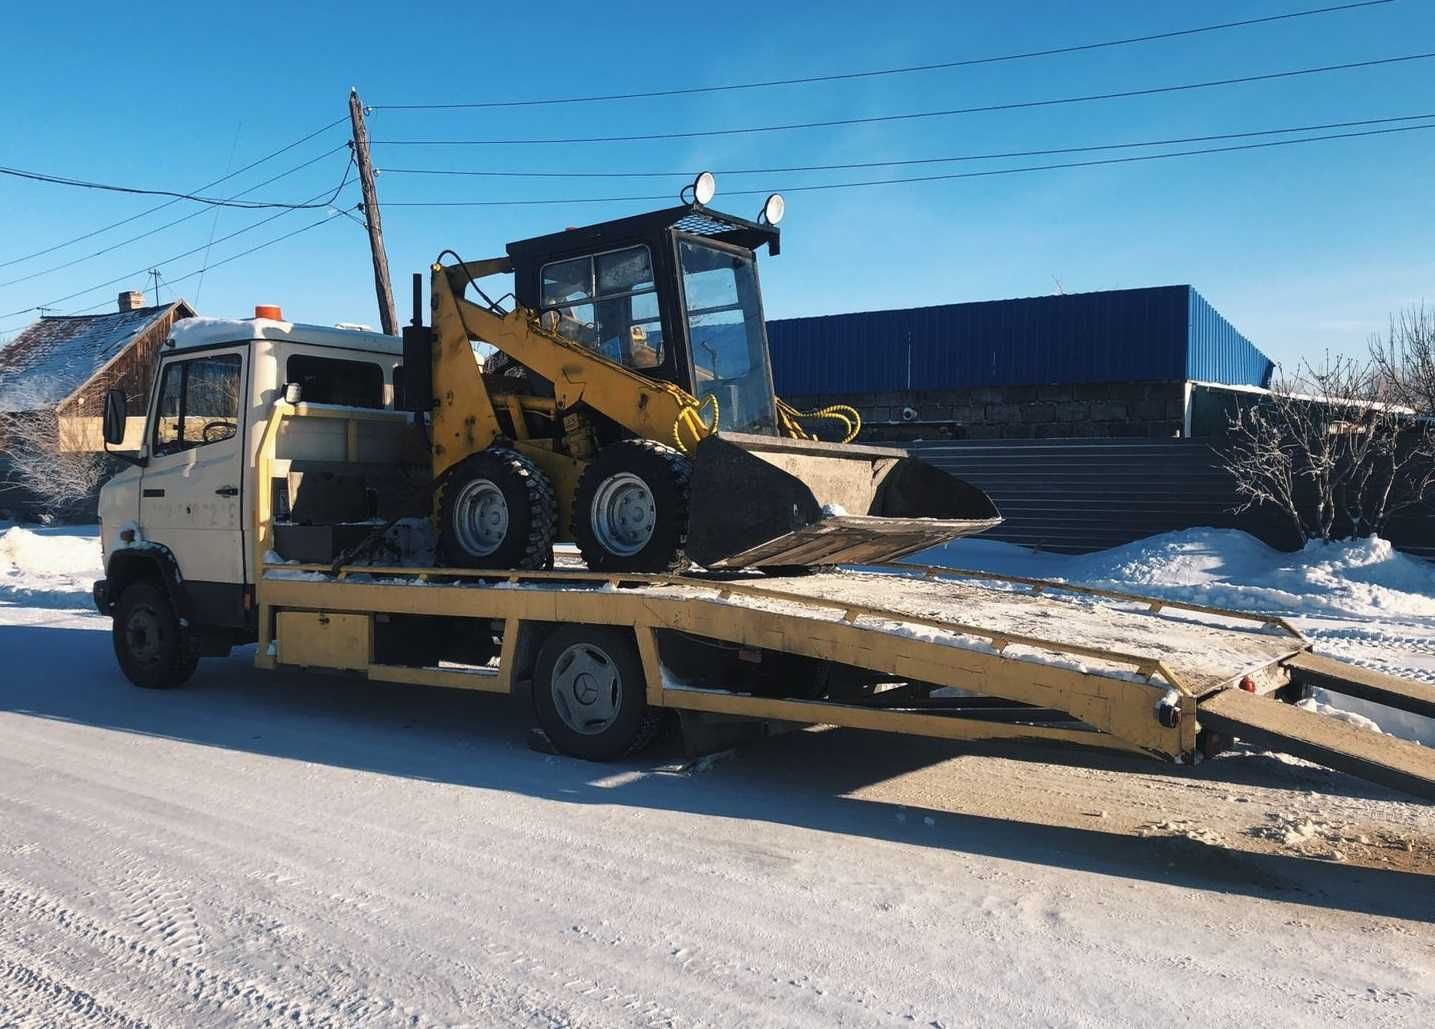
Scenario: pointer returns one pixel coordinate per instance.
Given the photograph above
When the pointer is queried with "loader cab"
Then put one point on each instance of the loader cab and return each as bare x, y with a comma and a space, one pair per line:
672, 294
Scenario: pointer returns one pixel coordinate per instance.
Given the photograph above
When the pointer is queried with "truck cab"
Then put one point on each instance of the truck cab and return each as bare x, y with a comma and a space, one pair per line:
174, 524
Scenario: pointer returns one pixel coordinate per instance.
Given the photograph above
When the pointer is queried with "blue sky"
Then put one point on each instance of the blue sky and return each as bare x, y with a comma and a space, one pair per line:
1304, 248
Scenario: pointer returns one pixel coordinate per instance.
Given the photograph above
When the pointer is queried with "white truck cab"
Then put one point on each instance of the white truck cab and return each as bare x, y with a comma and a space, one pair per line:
173, 525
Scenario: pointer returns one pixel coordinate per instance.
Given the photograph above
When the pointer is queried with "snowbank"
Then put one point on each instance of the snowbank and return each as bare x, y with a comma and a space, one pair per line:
52, 567
1363, 578
1358, 600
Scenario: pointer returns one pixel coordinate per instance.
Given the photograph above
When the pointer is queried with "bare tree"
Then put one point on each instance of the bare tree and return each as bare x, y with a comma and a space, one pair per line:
1330, 453
1405, 359
43, 459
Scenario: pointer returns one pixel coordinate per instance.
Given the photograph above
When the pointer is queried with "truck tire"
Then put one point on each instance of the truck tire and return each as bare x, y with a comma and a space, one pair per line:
154, 650
630, 509
496, 510
590, 695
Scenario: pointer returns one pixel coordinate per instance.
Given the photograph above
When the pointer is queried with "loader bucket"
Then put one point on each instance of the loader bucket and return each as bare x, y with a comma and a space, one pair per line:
761, 501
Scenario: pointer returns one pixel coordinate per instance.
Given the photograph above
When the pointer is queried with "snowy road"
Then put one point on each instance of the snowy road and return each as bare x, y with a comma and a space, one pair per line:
312, 851
299, 850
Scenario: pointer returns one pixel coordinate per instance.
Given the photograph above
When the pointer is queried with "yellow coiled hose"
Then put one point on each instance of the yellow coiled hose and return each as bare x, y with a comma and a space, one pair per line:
848, 416
691, 419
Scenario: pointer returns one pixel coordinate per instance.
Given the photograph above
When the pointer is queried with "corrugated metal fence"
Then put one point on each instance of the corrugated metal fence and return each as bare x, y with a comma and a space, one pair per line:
1158, 334
1077, 495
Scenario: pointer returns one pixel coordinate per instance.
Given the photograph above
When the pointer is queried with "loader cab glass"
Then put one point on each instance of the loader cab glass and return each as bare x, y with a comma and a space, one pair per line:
728, 335
607, 302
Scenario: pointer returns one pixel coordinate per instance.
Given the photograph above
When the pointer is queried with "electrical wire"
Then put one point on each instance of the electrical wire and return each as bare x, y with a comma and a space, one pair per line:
168, 260
168, 203
168, 225
924, 178
845, 76
912, 116
901, 162
207, 267
109, 187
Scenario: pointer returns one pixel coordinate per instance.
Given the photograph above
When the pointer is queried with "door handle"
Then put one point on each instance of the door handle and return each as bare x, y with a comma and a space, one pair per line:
227, 491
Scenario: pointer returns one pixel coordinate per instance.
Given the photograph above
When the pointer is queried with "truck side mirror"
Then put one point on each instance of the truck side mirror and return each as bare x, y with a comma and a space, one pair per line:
116, 408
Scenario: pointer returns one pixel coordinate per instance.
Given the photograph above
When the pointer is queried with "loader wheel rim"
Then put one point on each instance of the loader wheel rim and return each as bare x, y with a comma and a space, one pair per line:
587, 689
144, 635
480, 517
624, 514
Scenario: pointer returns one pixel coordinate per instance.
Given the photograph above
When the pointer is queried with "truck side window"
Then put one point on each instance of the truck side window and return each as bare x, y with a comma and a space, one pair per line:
608, 303
330, 380
198, 403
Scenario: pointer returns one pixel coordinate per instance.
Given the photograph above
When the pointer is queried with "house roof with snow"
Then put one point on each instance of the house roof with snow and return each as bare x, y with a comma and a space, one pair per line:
53, 359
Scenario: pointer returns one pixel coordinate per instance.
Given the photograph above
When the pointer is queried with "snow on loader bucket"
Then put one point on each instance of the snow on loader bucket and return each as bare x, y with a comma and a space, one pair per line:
762, 501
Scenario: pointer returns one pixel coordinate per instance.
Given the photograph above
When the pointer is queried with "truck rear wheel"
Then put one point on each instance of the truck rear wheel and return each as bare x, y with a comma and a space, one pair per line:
154, 650
496, 510
630, 509
590, 695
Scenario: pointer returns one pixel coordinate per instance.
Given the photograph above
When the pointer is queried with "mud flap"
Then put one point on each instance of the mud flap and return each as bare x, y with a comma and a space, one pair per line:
763, 501
1327, 741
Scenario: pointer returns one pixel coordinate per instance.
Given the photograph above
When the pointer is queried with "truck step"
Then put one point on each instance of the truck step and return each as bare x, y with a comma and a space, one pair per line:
1328, 741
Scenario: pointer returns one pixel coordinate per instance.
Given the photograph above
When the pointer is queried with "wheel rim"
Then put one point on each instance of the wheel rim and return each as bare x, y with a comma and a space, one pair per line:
586, 689
144, 635
480, 517
624, 514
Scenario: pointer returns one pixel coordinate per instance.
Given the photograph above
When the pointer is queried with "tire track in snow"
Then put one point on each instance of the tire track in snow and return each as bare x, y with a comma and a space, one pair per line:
381, 935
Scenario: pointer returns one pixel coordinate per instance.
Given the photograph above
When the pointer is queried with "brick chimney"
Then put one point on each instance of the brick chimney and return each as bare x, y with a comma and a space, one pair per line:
131, 300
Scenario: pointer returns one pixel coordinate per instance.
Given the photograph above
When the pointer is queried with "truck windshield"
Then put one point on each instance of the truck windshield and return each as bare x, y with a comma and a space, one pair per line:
729, 337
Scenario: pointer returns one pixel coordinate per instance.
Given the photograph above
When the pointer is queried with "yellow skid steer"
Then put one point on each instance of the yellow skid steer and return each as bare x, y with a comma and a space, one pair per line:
623, 400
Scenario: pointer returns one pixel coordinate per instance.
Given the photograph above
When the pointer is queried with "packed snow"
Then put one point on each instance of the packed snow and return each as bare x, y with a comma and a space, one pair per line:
287, 848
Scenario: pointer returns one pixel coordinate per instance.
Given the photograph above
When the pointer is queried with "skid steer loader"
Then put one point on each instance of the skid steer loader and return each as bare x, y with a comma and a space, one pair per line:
623, 400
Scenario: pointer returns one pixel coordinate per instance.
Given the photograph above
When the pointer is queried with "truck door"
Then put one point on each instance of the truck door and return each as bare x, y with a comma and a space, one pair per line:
191, 497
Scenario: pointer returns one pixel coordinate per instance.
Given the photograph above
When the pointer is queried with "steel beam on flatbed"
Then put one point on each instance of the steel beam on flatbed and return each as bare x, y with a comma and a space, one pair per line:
1327, 741
1365, 683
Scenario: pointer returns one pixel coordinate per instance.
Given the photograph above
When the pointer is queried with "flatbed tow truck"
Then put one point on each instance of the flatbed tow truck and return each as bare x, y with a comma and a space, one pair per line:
277, 458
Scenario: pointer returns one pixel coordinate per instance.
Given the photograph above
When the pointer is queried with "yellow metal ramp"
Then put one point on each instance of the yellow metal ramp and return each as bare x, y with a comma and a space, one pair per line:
1320, 738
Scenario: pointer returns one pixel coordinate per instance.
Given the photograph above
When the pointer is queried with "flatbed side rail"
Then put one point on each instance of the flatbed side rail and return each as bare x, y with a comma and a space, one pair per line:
1143, 665
1154, 604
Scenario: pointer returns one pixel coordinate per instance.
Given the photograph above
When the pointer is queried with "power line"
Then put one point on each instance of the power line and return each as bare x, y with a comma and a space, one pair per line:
900, 162
1018, 105
924, 178
168, 225
109, 187
842, 76
152, 264
207, 267
168, 203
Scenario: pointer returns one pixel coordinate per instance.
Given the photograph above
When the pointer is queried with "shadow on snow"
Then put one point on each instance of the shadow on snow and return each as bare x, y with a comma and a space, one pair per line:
797, 780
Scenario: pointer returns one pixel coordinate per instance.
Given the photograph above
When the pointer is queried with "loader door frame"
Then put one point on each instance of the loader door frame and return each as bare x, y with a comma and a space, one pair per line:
680, 298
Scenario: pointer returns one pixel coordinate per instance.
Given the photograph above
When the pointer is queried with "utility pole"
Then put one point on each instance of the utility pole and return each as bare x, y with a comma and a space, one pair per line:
154, 272
382, 286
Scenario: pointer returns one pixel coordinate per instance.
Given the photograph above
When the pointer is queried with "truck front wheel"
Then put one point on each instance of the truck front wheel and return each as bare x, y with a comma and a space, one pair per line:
153, 649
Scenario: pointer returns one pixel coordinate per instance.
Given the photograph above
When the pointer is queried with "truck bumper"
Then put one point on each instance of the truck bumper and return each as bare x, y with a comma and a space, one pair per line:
101, 591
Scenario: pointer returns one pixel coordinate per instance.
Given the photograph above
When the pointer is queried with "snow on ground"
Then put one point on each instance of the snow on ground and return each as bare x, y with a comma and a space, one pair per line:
50, 567
1360, 600
259, 849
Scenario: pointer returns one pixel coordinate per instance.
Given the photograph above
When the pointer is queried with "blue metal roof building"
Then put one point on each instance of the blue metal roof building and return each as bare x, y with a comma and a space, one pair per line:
1160, 333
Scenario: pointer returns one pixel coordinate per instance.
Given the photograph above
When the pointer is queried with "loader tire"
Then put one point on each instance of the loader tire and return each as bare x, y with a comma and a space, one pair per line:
590, 694
154, 650
630, 509
496, 510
